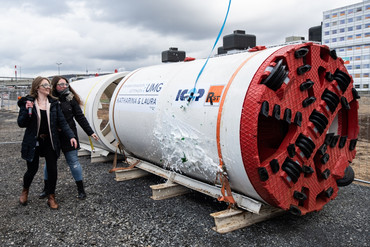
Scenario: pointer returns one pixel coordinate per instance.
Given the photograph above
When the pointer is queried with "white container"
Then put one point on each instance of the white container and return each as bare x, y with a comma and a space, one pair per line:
152, 118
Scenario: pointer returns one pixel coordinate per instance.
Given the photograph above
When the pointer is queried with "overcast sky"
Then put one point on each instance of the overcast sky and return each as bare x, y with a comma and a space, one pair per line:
104, 35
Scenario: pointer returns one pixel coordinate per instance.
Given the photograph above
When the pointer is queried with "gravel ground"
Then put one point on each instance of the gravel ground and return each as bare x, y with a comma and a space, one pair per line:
123, 214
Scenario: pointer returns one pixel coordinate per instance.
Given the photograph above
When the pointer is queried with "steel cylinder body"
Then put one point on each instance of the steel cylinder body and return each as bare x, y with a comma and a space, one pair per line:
263, 116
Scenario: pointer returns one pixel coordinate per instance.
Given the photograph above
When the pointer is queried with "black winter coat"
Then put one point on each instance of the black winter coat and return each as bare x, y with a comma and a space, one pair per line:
72, 110
57, 121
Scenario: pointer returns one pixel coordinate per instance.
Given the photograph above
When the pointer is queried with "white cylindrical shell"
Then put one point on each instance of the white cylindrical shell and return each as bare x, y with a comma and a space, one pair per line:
96, 92
152, 118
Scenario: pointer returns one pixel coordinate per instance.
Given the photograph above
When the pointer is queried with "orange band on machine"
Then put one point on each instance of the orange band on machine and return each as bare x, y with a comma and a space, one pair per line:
225, 189
221, 106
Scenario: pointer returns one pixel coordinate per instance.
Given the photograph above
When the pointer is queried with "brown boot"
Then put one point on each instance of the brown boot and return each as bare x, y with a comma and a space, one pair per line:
51, 202
24, 197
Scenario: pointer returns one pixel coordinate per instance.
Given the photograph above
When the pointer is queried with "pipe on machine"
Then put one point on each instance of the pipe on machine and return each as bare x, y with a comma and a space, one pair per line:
282, 122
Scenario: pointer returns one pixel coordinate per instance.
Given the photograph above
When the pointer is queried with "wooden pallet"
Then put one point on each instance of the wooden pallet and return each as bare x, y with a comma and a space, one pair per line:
233, 219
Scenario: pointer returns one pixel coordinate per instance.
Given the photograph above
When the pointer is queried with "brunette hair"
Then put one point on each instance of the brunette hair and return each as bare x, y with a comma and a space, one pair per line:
36, 84
54, 83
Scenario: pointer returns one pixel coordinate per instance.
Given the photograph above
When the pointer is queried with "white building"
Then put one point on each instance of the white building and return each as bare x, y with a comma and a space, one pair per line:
347, 30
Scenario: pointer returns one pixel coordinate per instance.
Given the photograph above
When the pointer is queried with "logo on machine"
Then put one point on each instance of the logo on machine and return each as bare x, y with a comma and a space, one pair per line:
154, 88
214, 95
183, 94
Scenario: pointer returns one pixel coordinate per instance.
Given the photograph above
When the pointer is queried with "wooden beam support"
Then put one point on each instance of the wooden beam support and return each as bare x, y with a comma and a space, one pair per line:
123, 175
96, 158
232, 219
83, 152
167, 190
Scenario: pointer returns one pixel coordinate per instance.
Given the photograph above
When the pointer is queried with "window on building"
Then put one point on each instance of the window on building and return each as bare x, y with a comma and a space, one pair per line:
341, 49
366, 57
326, 33
358, 75
350, 11
359, 9
349, 48
358, 18
358, 36
349, 67
358, 66
334, 23
334, 40
326, 41
327, 24
342, 22
367, 16
326, 17
366, 66
358, 47
341, 39
367, 25
365, 86
358, 27
350, 28
357, 86
334, 32
367, 35
342, 30
365, 75
349, 37
350, 20
342, 13
367, 7
357, 58
334, 15
366, 46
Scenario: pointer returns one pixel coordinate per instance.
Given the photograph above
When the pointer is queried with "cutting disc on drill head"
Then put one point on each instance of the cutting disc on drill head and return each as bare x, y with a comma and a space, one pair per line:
299, 127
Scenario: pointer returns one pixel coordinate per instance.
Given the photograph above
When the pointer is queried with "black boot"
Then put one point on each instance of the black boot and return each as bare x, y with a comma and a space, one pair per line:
80, 189
44, 194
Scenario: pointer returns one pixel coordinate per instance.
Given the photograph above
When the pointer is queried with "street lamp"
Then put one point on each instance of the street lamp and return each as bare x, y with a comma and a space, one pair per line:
59, 67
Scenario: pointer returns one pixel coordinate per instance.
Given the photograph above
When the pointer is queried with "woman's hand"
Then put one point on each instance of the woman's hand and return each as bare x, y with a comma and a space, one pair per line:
96, 138
74, 142
29, 104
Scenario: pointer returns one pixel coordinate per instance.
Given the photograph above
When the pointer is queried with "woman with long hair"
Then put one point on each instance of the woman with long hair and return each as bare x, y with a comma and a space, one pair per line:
41, 115
70, 104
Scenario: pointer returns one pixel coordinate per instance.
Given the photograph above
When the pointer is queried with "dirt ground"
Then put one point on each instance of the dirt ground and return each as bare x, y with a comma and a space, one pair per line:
361, 163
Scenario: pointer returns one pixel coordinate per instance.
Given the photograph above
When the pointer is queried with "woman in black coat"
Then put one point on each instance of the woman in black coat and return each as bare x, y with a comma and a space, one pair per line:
70, 104
41, 115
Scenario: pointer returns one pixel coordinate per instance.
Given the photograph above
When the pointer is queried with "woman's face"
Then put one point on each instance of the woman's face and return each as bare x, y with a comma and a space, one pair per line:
62, 85
44, 88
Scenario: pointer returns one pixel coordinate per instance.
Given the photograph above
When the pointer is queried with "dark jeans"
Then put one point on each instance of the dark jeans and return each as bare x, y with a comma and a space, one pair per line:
46, 150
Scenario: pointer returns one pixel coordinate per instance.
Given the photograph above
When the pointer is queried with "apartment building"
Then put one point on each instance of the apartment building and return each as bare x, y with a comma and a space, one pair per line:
347, 30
